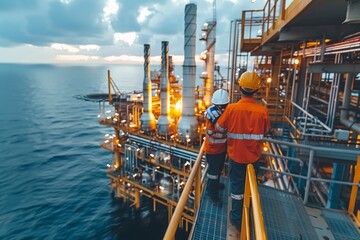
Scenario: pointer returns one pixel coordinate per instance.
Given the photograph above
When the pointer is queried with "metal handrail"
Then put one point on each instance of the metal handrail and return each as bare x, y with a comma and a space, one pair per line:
356, 181
252, 192
195, 175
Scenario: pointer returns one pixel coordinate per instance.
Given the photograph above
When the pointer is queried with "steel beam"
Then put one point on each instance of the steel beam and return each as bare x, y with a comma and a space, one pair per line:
334, 68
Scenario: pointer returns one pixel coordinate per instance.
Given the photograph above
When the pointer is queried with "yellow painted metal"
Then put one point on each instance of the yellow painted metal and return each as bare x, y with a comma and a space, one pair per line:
283, 6
252, 192
109, 87
295, 8
117, 153
197, 188
137, 198
169, 210
245, 229
173, 225
120, 182
354, 188
118, 191
136, 111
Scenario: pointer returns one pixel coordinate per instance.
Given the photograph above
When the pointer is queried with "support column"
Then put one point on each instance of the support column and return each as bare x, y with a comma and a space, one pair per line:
335, 189
299, 85
275, 70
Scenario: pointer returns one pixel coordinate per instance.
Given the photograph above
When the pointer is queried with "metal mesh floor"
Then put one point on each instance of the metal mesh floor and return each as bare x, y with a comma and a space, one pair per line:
284, 215
211, 222
285, 218
340, 224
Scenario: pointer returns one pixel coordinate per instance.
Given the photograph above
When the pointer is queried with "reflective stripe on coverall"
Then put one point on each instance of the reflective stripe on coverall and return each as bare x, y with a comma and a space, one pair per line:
215, 152
245, 123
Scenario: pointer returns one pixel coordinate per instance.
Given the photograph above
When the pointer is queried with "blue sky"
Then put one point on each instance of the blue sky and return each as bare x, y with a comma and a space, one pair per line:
106, 31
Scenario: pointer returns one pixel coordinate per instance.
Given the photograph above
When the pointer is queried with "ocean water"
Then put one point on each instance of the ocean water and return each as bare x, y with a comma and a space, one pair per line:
53, 183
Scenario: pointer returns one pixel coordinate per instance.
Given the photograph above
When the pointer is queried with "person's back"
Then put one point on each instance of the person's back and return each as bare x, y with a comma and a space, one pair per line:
245, 123
215, 145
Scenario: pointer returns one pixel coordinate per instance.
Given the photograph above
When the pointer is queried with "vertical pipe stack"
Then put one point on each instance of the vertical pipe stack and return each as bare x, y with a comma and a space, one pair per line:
188, 125
164, 121
210, 63
147, 118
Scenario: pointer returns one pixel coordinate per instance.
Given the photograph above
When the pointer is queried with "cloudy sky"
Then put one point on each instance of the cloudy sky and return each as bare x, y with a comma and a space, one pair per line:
106, 31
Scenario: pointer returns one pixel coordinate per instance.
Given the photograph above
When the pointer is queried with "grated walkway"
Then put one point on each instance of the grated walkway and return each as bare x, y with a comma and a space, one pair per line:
285, 218
211, 222
284, 215
340, 224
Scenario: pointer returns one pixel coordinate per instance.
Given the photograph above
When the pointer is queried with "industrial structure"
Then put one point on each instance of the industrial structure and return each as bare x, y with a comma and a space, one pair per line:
308, 56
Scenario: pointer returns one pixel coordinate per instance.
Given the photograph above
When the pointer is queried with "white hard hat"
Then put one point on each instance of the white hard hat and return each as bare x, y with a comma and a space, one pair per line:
220, 97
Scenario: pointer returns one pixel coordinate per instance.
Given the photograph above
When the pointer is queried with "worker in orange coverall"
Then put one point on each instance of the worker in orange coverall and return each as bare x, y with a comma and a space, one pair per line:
245, 123
215, 145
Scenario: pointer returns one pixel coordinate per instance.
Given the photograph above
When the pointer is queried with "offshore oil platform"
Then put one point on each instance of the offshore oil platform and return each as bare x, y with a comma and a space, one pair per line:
307, 53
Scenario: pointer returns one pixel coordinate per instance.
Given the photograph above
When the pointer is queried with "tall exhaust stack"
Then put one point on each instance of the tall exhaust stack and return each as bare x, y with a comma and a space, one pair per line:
210, 61
164, 124
188, 125
147, 118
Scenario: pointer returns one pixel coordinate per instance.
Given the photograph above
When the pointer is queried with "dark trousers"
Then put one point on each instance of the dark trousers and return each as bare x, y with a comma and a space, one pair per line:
237, 187
216, 164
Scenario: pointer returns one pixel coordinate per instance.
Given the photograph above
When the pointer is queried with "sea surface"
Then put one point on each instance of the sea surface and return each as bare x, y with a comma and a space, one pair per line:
53, 183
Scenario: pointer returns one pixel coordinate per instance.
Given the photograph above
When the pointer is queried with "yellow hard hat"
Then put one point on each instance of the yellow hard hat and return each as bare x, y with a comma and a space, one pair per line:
249, 80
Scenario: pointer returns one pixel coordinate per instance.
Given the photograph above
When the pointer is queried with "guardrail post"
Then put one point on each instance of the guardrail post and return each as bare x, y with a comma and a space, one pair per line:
251, 193
176, 217
335, 189
197, 188
308, 178
354, 188
245, 233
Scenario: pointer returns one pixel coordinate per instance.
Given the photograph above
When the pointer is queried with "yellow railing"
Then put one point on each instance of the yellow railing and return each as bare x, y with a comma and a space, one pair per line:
354, 191
252, 192
195, 176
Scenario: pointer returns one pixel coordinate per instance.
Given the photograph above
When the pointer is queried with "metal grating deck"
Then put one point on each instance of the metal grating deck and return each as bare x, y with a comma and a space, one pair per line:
340, 224
285, 218
211, 222
284, 215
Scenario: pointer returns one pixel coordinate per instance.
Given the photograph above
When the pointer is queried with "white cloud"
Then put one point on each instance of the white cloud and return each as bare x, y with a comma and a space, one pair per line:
177, 59
111, 8
144, 12
107, 27
90, 47
125, 58
129, 38
60, 46
75, 58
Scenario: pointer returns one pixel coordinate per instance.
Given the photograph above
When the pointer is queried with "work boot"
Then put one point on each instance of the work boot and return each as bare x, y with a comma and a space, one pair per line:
216, 201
